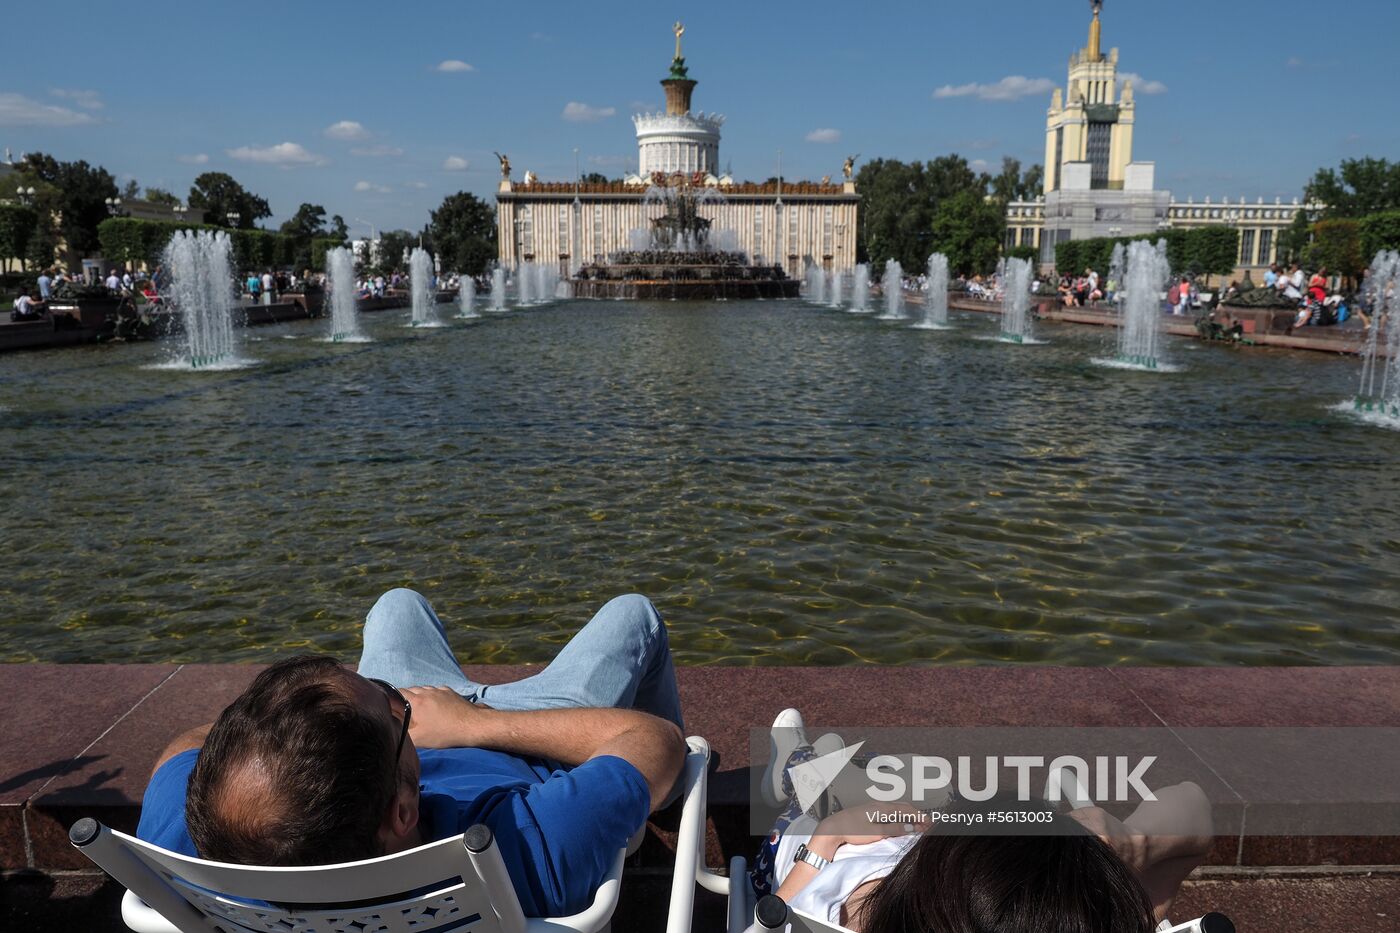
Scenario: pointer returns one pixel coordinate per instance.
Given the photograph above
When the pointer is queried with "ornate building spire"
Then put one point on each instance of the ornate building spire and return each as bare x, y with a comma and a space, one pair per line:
1095, 33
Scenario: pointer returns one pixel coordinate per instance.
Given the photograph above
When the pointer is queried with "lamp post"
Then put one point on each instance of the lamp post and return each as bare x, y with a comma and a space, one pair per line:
114, 206
233, 217
26, 196
180, 211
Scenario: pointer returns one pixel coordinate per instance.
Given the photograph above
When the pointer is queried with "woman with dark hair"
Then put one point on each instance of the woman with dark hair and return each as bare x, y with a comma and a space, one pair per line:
1078, 872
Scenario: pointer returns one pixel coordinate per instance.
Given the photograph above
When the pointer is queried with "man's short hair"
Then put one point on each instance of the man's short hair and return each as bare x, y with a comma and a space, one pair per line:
294, 772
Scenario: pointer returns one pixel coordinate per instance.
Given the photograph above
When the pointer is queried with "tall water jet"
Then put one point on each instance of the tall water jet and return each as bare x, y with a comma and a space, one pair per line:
1016, 301
423, 296
1115, 273
936, 298
201, 279
1380, 382
893, 285
1145, 275
816, 284
498, 289
524, 282
838, 285
466, 297
340, 282
860, 289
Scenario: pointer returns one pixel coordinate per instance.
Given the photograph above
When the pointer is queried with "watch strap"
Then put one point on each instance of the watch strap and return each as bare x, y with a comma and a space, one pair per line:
805, 854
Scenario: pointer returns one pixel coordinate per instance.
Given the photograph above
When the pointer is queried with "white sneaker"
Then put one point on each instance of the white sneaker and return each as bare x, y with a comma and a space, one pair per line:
786, 735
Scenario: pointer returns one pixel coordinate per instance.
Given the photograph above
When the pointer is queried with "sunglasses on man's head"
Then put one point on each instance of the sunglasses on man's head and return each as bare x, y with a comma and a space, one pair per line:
395, 696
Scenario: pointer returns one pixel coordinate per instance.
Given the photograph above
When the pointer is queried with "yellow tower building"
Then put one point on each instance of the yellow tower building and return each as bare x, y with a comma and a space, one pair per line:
1087, 122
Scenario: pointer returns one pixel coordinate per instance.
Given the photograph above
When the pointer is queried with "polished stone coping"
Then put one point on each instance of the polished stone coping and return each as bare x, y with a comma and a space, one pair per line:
79, 740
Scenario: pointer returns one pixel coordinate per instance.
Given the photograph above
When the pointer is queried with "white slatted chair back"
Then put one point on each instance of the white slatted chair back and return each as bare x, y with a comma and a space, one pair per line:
456, 884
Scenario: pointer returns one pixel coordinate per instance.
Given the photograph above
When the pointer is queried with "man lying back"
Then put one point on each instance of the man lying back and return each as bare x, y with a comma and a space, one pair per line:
315, 764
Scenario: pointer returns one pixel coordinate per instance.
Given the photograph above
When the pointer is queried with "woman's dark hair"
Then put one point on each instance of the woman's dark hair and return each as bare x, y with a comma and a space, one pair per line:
294, 772
981, 879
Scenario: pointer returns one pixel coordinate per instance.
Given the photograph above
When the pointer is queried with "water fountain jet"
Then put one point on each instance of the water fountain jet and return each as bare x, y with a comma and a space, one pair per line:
201, 277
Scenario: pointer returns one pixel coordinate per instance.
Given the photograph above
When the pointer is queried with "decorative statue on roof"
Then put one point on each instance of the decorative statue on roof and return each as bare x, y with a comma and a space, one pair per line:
505, 166
849, 168
678, 63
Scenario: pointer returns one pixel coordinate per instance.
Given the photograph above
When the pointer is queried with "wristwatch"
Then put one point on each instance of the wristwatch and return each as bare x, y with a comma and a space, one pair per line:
805, 854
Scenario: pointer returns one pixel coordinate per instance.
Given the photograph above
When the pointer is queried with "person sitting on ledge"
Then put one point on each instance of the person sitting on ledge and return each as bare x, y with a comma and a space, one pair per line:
27, 307
315, 764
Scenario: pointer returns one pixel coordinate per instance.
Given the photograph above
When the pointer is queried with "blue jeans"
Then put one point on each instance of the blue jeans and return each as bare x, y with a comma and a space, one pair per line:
620, 659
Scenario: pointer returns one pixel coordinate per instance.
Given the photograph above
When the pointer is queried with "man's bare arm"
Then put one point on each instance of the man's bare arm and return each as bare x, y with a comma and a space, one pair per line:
655, 747
192, 738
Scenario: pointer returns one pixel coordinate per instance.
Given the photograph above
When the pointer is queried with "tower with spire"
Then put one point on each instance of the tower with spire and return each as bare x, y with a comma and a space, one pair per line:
1089, 122
677, 140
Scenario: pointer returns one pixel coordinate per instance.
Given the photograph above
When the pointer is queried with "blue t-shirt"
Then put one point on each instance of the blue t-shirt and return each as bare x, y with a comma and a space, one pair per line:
557, 829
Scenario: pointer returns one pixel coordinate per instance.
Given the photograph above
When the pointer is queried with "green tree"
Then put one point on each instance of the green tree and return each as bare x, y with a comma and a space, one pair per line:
217, 195
898, 202
1380, 231
161, 196
1360, 187
17, 225
74, 192
393, 246
131, 190
463, 233
1294, 241
1014, 185
338, 228
306, 223
967, 228
1336, 246
594, 178
1213, 250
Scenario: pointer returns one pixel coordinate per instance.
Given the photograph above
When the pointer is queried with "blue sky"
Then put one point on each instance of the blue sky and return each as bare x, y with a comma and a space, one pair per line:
350, 105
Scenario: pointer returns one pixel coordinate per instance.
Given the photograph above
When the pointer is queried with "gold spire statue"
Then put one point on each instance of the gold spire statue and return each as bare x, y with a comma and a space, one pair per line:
1094, 32
679, 30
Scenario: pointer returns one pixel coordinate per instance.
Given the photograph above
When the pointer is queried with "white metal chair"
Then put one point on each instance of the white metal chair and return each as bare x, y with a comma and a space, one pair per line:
770, 914
455, 884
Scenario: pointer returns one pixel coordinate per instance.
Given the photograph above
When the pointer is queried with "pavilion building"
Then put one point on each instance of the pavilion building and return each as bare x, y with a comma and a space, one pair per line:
791, 224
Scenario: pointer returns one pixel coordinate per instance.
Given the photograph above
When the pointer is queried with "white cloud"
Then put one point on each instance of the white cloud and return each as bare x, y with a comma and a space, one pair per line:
285, 155
453, 65
1012, 87
420, 185
825, 135
979, 165
376, 152
18, 110
88, 100
196, 158
348, 130
455, 164
576, 112
366, 186
1140, 84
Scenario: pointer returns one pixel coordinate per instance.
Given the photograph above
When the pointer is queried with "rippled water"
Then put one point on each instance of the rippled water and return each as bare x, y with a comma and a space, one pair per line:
788, 484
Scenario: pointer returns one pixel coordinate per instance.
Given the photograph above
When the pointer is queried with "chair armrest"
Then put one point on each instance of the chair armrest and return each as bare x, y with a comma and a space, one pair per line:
140, 917
595, 916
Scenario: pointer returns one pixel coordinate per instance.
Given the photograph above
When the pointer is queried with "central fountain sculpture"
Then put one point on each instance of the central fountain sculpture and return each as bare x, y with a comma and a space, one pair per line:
679, 257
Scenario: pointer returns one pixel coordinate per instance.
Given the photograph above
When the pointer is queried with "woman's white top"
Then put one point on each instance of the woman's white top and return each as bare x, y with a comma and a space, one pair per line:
852, 867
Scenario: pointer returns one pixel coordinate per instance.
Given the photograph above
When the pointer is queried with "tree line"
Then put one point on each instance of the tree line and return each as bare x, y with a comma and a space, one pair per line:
70, 206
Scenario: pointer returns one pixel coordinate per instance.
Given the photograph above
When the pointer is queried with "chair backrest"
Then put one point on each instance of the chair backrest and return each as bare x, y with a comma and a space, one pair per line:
459, 883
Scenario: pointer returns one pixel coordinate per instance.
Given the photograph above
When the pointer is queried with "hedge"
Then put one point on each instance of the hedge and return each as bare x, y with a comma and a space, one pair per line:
132, 242
16, 227
1204, 250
